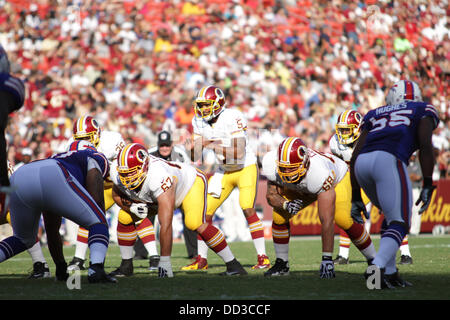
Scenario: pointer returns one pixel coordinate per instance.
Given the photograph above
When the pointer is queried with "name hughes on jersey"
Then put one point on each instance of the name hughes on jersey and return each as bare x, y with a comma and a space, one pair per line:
390, 108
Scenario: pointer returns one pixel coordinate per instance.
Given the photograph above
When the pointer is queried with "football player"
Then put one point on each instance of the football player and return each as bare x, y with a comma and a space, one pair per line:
348, 130
341, 145
110, 143
66, 185
298, 176
12, 96
40, 266
224, 131
144, 181
390, 134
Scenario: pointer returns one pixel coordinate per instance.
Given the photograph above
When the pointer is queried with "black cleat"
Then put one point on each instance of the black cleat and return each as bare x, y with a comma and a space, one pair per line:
404, 259
280, 268
153, 263
40, 270
97, 274
396, 281
234, 268
384, 283
76, 263
340, 260
124, 270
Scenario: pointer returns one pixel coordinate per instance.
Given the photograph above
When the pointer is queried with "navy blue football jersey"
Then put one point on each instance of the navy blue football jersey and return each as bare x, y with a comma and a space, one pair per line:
76, 162
394, 128
14, 86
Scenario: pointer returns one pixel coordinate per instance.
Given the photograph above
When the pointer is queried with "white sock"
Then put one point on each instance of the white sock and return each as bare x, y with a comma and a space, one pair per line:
369, 252
260, 246
226, 254
344, 251
151, 248
282, 251
202, 248
80, 250
404, 250
126, 252
36, 253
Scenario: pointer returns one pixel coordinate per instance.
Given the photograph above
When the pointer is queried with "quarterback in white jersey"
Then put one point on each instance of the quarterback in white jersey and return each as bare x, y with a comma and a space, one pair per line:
297, 176
225, 132
153, 181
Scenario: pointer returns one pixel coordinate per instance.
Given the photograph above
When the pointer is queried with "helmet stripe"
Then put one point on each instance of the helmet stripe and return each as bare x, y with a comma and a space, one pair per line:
203, 92
124, 155
409, 90
287, 149
80, 123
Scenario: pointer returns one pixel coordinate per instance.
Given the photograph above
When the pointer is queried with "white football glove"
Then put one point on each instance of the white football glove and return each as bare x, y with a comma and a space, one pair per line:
293, 206
165, 267
140, 210
327, 269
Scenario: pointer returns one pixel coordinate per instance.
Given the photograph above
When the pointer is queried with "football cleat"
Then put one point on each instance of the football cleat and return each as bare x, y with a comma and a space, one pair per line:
263, 262
124, 270
97, 274
384, 283
198, 264
396, 281
234, 268
153, 263
40, 270
280, 268
340, 260
76, 263
404, 259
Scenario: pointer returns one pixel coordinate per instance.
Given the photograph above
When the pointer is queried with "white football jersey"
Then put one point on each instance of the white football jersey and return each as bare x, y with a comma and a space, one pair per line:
340, 150
161, 175
230, 124
325, 171
110, 144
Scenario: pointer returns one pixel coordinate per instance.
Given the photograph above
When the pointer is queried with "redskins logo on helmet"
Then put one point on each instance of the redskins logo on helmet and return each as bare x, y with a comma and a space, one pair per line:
293, 160
87, 128
209, 102
403, 90
348, 126
132, 163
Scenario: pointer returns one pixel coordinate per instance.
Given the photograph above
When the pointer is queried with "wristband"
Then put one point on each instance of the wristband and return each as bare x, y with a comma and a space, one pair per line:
164, 259
427, 181
285, 204
327, 256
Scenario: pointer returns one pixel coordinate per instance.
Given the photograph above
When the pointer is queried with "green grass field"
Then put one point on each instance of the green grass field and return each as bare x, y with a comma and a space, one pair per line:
430, 275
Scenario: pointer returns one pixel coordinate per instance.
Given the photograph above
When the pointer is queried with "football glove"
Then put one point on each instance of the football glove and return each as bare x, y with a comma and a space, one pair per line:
140, 210
425, 195
357, 207
165, 267
293, 206
327, 268
61, 271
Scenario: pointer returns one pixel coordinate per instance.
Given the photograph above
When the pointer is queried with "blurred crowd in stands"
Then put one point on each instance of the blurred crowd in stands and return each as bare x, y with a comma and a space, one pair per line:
290, 66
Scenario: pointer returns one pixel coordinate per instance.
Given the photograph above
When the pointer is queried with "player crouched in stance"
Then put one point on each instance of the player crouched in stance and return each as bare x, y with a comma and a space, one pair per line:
69, 185
144, 180
298, 176
389, 136
351, 227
